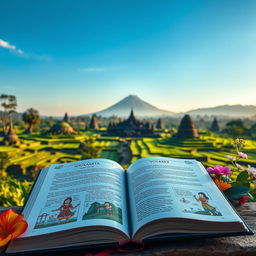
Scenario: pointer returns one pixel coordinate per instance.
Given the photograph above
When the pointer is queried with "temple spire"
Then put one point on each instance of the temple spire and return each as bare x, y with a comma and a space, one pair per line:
131, 117
187, 128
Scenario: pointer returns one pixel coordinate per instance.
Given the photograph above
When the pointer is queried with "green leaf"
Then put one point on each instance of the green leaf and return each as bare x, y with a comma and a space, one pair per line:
13, 184
226, 179
7, 201
242, 176
24, 192
235, 192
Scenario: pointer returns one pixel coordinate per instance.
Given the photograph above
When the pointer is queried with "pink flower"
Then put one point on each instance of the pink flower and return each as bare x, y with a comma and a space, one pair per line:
219, 170
239, 166
252, 171
231, 158
243, 155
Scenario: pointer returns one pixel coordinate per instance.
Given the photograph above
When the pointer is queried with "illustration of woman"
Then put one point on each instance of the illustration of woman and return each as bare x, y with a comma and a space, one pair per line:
65, 208
203, 198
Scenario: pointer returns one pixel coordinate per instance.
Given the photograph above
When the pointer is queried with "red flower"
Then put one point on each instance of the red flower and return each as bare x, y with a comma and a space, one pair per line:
12, 225
243, 199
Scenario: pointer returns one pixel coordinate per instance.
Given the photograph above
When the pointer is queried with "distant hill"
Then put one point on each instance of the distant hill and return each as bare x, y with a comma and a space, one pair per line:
226, 110
140, 107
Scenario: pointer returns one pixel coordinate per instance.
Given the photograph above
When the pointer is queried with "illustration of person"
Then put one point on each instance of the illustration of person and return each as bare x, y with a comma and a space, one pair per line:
101, 210
108, 208
65, 208
203, 198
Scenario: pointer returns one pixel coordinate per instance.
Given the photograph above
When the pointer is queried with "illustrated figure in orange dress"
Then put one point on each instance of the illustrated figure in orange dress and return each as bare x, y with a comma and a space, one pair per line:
65, 208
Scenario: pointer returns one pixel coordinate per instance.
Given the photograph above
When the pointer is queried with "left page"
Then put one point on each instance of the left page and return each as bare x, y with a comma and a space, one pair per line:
78, 194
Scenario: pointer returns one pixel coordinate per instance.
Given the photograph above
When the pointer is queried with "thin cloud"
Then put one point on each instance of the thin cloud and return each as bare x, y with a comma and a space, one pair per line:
101, 69
13, 49
10, 47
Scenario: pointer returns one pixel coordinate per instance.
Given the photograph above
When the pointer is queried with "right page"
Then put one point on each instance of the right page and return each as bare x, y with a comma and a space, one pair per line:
161, 187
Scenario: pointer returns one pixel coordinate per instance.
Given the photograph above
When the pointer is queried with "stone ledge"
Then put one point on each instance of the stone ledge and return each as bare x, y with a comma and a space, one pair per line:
232, 246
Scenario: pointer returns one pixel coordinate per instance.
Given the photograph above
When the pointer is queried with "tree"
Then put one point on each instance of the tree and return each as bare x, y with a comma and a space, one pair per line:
160, 124
4, 162
11, 108
88, 148
215, 125
10, 137
4, 98
253, 130
236, 128
32, 118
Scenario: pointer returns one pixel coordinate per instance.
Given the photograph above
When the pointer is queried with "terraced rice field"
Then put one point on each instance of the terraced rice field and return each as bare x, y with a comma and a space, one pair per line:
46, 150
209, 150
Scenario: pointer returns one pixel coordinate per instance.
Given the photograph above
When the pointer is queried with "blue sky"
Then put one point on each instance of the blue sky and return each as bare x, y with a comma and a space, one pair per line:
82, 56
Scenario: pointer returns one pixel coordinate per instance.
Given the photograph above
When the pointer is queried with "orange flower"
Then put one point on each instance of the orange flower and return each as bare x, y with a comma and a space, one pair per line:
12, 225
222, 184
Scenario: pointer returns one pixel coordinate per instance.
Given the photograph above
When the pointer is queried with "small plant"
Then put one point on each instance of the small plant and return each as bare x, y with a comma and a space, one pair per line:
238, 188
13, 192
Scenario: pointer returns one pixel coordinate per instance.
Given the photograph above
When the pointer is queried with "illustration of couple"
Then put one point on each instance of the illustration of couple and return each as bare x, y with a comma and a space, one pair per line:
105, 209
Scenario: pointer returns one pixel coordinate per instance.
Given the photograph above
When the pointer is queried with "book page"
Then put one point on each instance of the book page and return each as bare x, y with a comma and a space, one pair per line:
79, 194
161, 187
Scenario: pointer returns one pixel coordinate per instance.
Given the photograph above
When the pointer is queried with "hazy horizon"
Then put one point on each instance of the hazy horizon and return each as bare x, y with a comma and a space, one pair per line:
83, 56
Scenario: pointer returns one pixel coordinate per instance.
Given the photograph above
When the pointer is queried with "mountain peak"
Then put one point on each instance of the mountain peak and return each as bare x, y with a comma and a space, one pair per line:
140, 108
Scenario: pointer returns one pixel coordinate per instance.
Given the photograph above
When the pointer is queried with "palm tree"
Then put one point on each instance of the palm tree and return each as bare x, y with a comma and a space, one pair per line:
32, 118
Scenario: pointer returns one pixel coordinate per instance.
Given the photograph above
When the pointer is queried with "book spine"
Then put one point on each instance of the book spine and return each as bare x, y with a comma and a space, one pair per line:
128, 204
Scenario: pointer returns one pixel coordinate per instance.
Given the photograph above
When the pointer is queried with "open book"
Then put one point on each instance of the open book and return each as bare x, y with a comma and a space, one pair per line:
95, 202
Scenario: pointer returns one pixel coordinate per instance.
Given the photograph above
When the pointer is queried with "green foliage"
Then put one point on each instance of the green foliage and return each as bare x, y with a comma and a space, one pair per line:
236, 192
32, 118
242, 176
13, 192
236, 128
4, 161
88, 148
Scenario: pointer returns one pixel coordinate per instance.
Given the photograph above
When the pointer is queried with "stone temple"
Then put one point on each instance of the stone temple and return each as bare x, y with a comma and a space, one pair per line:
131, 127
187, 128
94, 123
62, 127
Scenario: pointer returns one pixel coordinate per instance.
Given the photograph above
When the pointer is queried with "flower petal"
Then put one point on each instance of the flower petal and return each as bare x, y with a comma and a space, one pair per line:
4, 241
7, 219
19, 228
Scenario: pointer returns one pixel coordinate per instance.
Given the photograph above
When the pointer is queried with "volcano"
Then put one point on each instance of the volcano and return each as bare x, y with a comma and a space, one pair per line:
140, 107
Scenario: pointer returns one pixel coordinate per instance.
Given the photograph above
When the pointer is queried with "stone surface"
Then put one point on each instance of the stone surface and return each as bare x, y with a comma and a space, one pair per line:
232, 246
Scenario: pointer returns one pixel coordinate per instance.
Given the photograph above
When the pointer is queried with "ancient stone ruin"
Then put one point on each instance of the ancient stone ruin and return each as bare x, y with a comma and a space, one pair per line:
187, 128
94, 123
10, 138
131, 127
66, 118
62, 127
